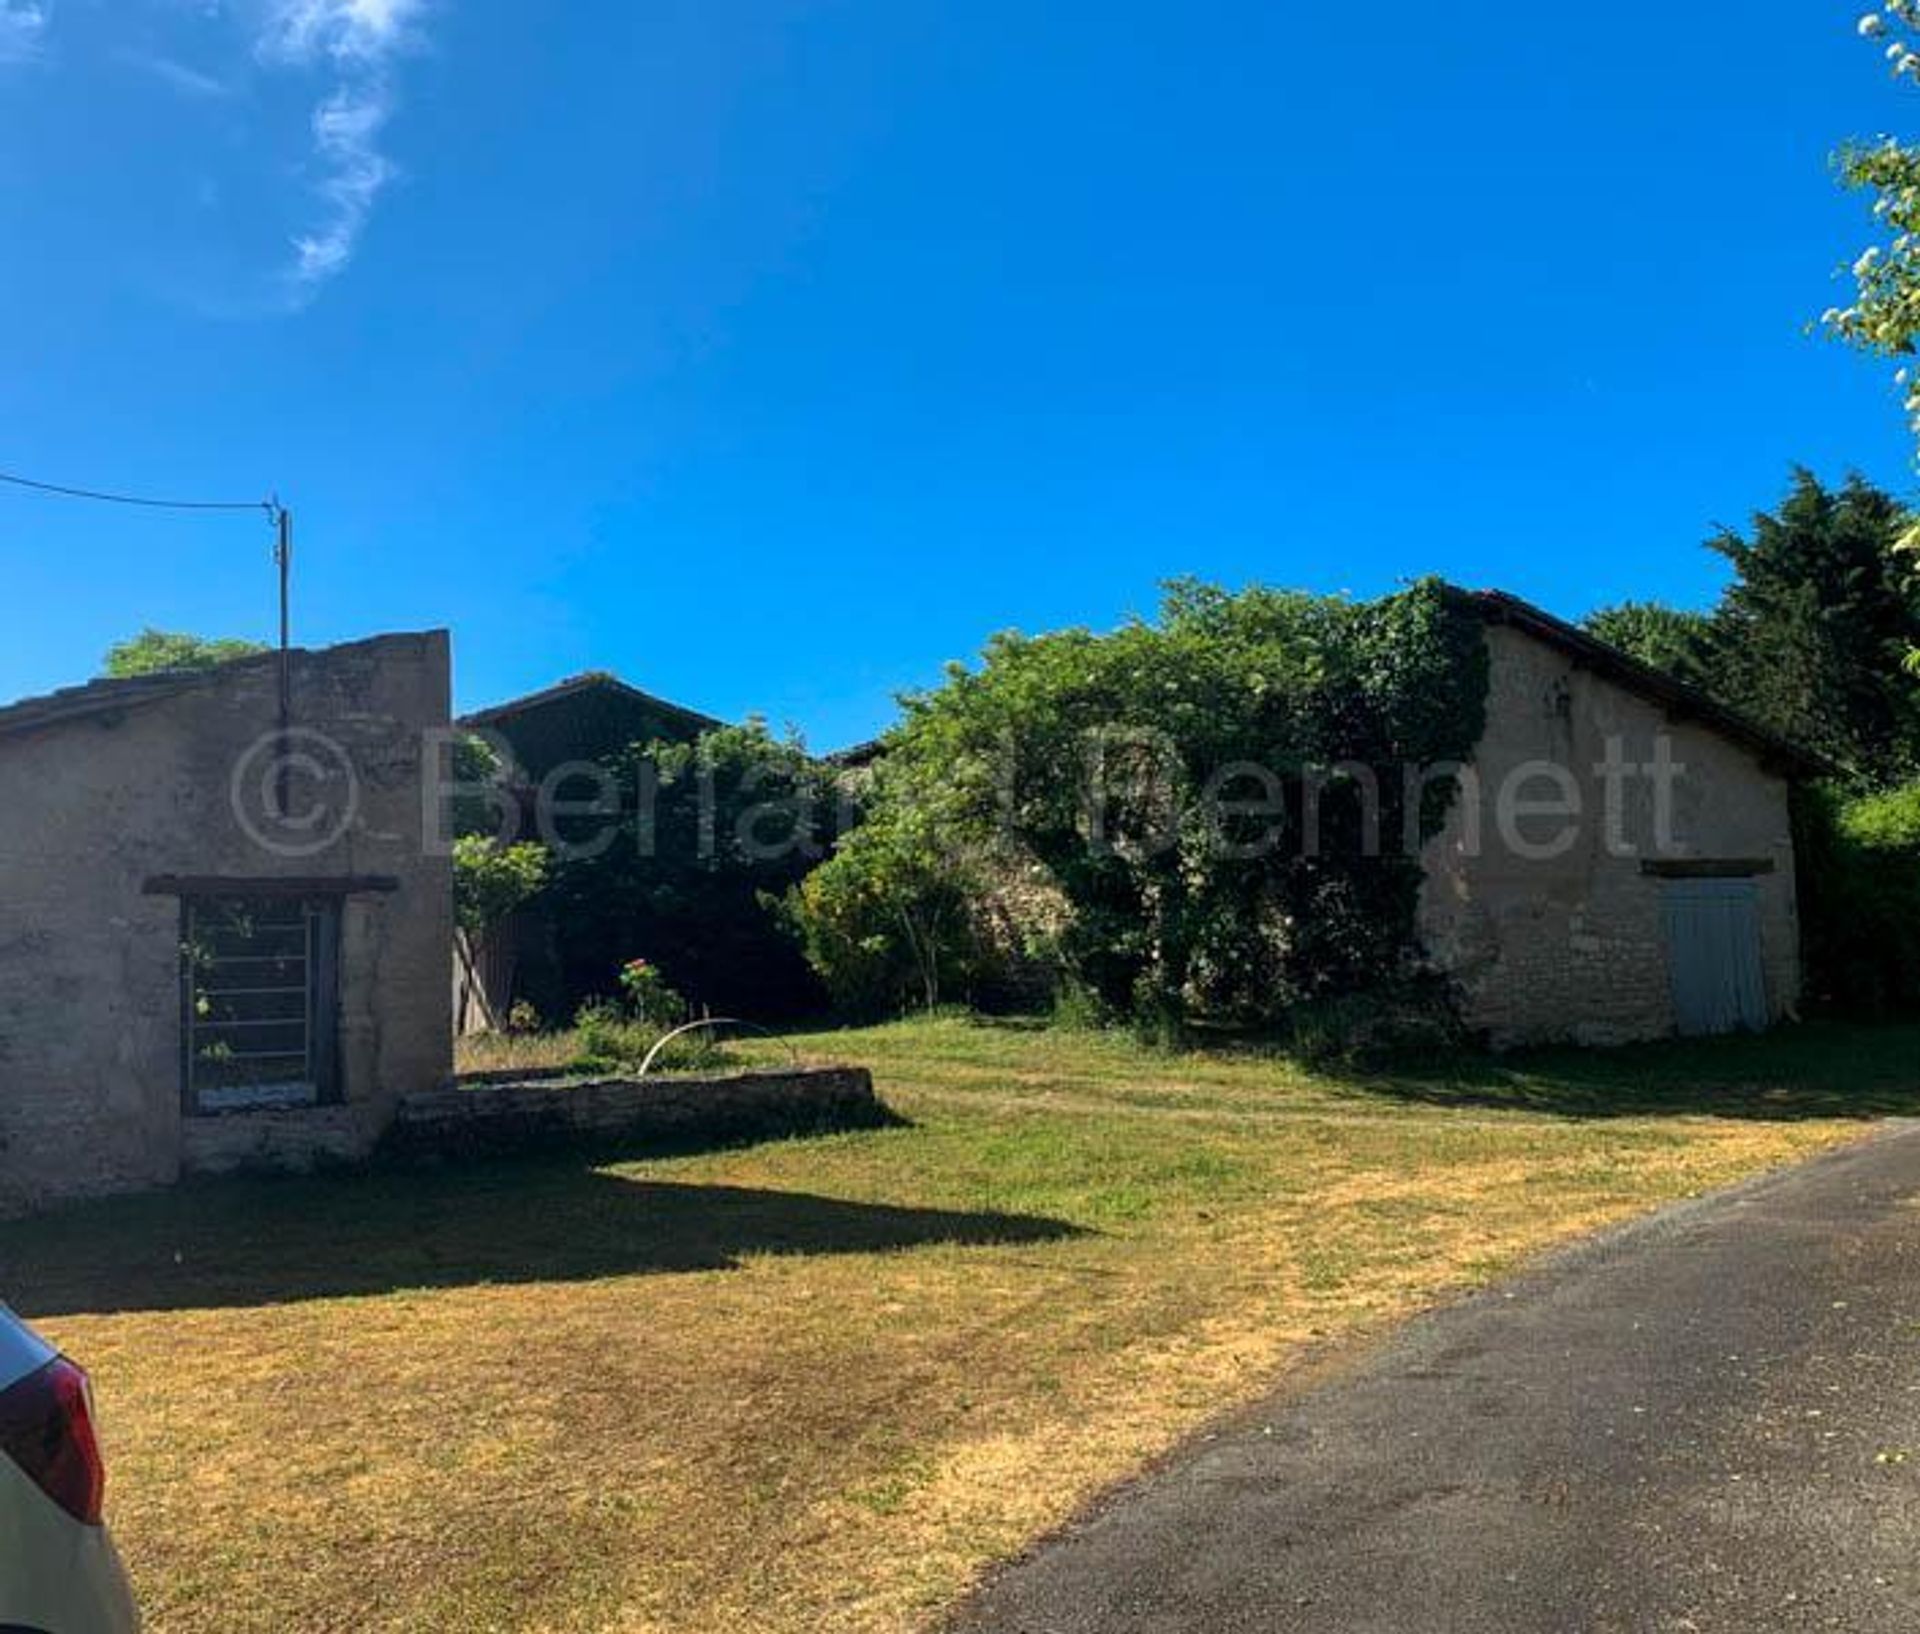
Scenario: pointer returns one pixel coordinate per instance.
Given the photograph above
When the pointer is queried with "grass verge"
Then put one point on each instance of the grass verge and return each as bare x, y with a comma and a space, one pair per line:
820, 1384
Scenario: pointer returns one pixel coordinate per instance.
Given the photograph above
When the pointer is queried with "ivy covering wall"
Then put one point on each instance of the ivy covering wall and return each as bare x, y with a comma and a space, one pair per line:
1216, 800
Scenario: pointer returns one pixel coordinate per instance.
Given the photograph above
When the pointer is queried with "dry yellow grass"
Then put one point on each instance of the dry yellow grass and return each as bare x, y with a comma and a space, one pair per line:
820, 1384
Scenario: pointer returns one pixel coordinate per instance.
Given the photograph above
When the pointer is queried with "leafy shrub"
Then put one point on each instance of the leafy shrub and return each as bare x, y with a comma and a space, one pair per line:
650, 997
1414, 1018
1076, 1010
1859, 873
891, 920
709, 834
153, 652
1885, 822
1092, 762
608, 1040
491, 880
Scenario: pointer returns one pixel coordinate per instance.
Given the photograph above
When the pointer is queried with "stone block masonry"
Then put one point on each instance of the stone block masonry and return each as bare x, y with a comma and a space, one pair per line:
123, 801
1572, 947
491, 1118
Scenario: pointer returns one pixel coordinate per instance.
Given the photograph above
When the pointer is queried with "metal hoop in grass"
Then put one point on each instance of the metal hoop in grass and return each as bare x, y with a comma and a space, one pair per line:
714, 1021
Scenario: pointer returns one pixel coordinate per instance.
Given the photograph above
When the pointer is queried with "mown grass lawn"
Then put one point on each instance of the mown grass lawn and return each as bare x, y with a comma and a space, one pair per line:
819, 1384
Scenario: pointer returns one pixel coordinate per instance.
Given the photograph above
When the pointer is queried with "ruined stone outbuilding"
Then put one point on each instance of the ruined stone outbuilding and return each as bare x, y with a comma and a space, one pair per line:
224, 932
1607, 906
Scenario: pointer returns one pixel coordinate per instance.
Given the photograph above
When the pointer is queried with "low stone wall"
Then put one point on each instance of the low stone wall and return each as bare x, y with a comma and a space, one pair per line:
484, 1117
290, 1139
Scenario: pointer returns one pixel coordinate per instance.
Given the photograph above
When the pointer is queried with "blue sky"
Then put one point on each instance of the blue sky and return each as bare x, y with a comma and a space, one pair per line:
773, 352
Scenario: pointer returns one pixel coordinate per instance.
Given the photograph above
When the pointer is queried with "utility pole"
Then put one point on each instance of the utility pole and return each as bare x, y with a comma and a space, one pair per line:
283, 559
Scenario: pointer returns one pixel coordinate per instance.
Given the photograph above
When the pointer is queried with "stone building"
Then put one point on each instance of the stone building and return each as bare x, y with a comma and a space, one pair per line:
1620, 864
542, 739
224, 937
584, 718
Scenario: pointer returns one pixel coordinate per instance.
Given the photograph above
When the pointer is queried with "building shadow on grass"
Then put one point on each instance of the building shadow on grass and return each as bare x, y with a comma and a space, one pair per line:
1791, 1074
260, 1241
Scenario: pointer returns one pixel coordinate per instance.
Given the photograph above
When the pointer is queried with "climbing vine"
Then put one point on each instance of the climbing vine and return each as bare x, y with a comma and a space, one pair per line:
1228, 799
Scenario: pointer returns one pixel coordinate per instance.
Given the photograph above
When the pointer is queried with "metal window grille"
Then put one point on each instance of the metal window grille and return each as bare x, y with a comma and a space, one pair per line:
256, 977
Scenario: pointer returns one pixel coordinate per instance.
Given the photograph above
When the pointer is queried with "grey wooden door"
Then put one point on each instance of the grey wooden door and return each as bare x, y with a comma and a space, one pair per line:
1713, 952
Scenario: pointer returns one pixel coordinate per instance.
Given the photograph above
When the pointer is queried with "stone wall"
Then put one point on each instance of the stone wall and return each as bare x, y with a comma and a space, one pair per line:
292, 1139
1573, 948
480, 1118
97, 805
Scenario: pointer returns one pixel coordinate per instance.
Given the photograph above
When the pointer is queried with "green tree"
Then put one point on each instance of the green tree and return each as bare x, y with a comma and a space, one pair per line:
491, 880
153, 651
1859, 871
1884, 316
1811, 634
1163, 779
1669, 638
687, 864
890, 920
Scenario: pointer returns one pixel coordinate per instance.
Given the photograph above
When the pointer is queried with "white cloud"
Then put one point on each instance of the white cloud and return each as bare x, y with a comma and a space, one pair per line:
346, 130
343, 55
356, 42
364, 31
23, 28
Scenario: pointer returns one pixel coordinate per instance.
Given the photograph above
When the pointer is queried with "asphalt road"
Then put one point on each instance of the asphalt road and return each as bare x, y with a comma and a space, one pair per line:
1708, 1421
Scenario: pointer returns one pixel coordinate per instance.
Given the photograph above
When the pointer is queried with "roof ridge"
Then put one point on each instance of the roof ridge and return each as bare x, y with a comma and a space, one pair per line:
571, 685
1636, 675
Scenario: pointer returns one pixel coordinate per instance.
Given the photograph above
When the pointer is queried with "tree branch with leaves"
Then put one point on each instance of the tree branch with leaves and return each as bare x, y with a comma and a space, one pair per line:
1884, 316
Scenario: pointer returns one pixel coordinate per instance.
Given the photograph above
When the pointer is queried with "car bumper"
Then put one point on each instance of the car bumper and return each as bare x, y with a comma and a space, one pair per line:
56, 1575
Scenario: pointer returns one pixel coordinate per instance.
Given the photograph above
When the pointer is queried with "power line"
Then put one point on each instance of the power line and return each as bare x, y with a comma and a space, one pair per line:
270, 506
272, 509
